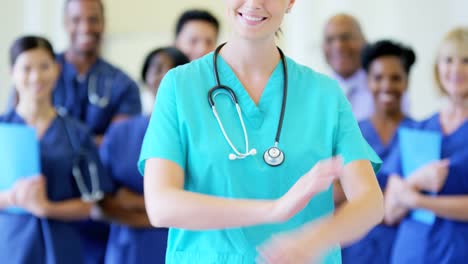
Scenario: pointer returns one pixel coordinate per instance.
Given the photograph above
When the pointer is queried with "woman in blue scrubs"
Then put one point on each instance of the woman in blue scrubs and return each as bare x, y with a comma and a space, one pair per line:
388, 65
45, 233
132, 239
225, 185
445, 240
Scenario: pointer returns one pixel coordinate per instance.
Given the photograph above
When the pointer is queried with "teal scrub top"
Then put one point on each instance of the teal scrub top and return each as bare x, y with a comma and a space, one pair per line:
318, 124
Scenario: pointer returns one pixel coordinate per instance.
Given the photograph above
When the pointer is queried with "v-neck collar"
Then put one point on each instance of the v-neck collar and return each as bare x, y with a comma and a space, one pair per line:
14, 117
392, 140
255, 114
438, 125
70, 70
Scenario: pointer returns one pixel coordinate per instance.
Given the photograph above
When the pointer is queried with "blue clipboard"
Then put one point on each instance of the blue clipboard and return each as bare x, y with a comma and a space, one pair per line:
418, 148
19, 156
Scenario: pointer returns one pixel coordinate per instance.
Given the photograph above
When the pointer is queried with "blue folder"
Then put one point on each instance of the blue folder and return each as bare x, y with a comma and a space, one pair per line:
419, 148
19, 156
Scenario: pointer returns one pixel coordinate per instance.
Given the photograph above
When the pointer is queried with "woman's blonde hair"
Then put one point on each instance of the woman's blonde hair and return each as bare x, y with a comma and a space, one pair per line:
458, 39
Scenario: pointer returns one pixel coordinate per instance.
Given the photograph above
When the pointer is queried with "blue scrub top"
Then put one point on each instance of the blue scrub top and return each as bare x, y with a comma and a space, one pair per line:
318, 124
25, 238
119, 154
446, 241
376, 246
71, 93
387, 151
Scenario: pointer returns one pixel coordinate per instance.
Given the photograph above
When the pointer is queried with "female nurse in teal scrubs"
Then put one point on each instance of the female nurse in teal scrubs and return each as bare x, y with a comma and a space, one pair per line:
236, 183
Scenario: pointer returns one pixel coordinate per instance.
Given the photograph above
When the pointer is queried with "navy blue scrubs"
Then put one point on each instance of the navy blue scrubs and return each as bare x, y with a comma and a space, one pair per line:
119, 153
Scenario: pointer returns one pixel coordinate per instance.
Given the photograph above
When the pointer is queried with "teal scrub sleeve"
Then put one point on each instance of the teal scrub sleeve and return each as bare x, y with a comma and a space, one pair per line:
349, 142
162, 138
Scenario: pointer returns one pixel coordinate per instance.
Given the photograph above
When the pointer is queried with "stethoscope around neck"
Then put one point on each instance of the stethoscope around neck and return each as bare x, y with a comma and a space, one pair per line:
101, 101
273, 156
80, 155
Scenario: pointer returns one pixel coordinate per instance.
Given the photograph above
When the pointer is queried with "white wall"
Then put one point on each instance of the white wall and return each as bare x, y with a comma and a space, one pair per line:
152, 24
135, 27
19, 17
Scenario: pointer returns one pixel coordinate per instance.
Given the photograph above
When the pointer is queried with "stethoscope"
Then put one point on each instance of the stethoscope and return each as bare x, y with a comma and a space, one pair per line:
93, 96
95, 194
101, 101
273, 156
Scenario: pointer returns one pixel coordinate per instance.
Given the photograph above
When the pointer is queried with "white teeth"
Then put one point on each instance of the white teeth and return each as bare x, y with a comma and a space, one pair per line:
85, 38
387, 97
251, 18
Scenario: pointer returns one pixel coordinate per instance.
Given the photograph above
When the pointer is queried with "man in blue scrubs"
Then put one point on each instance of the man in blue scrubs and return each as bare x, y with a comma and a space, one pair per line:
93, 91
89, 88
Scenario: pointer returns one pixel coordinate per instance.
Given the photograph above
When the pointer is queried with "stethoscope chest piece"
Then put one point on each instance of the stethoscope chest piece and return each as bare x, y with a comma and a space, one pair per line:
273, 156
101, 102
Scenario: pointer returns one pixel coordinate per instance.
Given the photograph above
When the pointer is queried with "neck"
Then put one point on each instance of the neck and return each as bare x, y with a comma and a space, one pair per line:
248, 57
34, 112
457, 109
81, 61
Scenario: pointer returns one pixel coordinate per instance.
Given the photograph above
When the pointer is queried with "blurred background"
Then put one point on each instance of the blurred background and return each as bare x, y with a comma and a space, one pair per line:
135, 27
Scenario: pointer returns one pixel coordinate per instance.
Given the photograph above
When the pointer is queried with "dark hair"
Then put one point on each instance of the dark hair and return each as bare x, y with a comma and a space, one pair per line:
382, 48
177, 57
26, 43
101, 5
195, 14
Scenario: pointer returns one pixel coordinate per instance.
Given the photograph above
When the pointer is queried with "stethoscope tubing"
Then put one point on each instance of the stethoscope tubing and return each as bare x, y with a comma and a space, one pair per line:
272, 161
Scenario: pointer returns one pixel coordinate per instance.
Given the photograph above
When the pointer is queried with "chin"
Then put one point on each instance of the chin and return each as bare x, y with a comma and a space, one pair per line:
254, 34
391, 109
344, 71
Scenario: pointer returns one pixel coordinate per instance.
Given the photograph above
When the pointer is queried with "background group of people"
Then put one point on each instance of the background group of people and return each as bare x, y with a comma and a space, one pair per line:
85, 110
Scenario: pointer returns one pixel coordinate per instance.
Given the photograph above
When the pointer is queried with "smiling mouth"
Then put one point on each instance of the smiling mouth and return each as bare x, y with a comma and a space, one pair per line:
387, 97
252, 19
38, 88
85, 38
457, 80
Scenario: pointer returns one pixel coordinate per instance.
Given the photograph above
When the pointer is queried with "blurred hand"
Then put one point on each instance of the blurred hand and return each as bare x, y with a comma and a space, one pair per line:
291, 248
407, 195
316, 180
396, 207
31, 195
431, 177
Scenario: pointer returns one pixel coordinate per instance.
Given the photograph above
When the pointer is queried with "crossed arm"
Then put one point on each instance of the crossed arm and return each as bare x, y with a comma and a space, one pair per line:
164, 181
